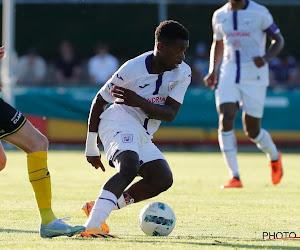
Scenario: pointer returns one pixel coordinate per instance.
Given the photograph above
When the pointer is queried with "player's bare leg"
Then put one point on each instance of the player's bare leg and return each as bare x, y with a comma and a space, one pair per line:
227, 141
127, 166
35, 144
264, 142
157, 178
2, 157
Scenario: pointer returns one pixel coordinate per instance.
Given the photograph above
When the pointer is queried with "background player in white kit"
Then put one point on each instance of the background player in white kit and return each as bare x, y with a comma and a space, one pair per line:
240, 28
144, 91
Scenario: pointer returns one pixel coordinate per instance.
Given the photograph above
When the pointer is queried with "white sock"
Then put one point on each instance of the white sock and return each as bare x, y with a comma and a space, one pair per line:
102, 209
228, 146
124, 200
265, 143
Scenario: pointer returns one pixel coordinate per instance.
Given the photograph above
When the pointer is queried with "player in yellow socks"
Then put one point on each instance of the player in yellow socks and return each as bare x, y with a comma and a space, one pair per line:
15, 129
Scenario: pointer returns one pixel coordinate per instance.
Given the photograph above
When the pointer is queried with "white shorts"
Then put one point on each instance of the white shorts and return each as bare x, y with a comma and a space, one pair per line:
250, 97
117, 137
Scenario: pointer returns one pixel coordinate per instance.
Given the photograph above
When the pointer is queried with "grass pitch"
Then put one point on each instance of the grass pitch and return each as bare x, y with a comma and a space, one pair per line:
207, 217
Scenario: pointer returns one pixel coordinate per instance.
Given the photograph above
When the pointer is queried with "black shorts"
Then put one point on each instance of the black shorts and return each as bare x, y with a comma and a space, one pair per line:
11, 120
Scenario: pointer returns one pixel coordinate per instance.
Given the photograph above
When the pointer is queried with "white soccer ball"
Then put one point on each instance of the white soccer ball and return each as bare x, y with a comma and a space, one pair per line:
157, 219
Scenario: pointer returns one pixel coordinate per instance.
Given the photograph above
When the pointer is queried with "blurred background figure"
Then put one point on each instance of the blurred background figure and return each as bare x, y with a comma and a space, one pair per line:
200, 64
68, 65
102, 66
31, 68
283, 71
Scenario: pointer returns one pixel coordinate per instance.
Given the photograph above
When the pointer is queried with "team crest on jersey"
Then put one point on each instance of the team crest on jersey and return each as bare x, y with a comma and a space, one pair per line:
172, 84
247, 21
127, 138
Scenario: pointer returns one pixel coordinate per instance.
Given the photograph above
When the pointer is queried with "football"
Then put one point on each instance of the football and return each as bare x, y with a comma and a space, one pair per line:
157, 219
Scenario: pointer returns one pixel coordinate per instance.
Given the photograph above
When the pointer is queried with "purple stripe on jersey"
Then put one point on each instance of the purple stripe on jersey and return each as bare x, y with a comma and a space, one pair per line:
158, 83
235, 24
273, 29
148, 65
246, 5
107, 200
238, 66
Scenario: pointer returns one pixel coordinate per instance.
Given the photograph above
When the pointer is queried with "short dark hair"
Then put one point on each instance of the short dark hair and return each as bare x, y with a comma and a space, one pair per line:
171, 30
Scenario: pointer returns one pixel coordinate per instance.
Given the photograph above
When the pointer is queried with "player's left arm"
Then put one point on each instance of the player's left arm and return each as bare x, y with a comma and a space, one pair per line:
166, 112
277, 43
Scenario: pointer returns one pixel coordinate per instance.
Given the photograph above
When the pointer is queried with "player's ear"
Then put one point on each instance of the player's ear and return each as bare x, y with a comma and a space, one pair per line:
159, 46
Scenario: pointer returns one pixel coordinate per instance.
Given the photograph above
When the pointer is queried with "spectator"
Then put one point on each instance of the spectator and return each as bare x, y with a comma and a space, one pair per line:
31, 68
200, 65
68, 65
283, 71
102, 66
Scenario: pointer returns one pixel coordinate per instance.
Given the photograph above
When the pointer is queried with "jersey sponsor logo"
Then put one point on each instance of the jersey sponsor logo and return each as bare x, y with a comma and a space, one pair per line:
157, 99
2, 131
239, 34
120, 77
127, 138
16, 117
172, 84
143, 86
247, 21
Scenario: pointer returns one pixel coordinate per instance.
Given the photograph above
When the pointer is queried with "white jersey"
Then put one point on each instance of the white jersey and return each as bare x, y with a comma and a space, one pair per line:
244, 36
136, 75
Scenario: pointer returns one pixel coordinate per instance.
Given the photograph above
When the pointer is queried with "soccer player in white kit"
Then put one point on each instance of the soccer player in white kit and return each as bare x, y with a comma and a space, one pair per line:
144, 91
240, 29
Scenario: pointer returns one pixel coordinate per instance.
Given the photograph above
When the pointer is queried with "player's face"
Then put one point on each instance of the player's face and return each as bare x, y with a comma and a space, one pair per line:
174, 53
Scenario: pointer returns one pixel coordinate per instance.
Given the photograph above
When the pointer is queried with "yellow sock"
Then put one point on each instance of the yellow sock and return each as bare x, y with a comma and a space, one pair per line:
40, 181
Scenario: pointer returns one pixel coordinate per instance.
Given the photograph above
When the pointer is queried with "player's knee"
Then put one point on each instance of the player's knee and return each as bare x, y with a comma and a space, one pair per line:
2, 162
40, 143
227, 121
166, 182
252, 133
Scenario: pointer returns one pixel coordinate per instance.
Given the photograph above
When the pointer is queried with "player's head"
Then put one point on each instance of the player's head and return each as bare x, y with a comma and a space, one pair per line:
236, 1
171, 42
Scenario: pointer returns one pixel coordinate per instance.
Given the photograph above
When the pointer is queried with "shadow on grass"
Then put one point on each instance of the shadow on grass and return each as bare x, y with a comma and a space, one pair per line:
8, 230
261, 244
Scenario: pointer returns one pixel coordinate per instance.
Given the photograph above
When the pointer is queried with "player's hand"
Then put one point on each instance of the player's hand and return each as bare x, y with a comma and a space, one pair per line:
2, 52
259, 61
0, 87
95, 161
211, 80
129, 97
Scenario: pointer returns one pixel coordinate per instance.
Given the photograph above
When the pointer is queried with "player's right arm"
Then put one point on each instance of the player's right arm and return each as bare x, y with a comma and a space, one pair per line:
216, 55
91, 151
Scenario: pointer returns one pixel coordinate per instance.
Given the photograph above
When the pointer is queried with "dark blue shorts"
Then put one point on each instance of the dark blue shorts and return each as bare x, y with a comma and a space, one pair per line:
11, 120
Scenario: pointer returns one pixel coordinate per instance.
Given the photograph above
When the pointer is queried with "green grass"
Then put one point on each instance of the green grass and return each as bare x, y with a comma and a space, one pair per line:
207, 217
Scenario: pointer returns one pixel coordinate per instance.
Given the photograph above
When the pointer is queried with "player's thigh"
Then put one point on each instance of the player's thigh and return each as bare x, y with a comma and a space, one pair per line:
153, 164
2, 157
127, 163
157, 171
28, 138
253, 100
